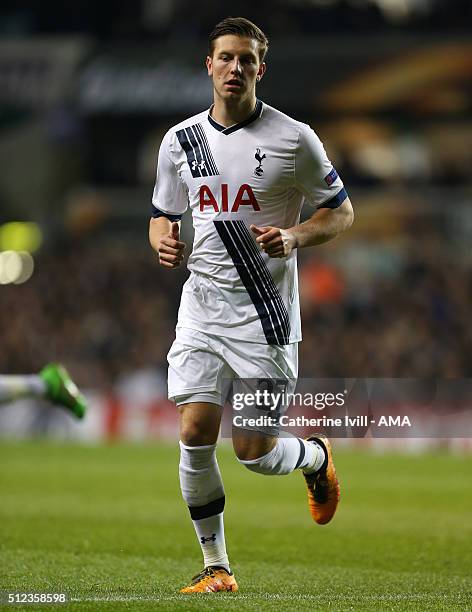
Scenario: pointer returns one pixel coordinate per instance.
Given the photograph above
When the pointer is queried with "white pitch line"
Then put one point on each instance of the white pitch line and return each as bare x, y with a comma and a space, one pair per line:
271, 596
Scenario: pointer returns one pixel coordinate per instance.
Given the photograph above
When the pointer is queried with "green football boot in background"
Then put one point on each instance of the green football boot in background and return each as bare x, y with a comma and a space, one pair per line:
62, 390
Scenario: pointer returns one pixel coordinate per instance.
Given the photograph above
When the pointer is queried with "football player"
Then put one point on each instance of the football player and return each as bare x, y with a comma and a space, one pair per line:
244, 169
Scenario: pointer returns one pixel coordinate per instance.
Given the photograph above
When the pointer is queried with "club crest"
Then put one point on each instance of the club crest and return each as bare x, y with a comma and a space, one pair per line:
259, 171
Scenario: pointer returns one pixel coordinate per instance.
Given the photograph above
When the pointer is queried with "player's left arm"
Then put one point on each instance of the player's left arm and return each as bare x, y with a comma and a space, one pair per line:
324, 225
321, 186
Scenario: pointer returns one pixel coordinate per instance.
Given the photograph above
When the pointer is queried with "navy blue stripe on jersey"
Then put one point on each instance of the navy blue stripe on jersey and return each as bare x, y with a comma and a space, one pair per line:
187, 147
283, 320
278, 312
335, 201
156, 213
234, 128
257, 280
197, 150
205, 149
207, 154
202, 164
249, 280
193, 162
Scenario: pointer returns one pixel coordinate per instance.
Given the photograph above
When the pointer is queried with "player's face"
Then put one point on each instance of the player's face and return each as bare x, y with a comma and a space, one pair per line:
235, 67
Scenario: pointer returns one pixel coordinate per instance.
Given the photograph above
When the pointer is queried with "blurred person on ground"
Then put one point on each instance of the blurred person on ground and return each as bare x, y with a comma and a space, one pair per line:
245, 169
52, 383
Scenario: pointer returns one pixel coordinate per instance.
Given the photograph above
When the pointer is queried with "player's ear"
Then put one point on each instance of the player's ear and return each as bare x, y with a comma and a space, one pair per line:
261, 71
209, 65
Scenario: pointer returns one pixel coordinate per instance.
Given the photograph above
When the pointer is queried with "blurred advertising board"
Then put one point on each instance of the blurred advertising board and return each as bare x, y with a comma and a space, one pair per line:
407, 74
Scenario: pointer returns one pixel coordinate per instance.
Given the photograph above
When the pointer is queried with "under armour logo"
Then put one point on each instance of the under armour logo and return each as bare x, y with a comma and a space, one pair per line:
200, 165
212, 538
259, 171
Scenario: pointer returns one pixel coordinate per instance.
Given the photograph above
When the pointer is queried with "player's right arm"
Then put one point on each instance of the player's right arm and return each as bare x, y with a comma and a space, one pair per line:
169, 202
164, 239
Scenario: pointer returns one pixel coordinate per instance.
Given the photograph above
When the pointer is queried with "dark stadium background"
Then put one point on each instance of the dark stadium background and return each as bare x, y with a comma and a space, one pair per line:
87, 90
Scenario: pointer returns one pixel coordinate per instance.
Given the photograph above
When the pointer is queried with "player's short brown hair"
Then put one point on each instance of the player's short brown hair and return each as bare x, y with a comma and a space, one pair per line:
239, 26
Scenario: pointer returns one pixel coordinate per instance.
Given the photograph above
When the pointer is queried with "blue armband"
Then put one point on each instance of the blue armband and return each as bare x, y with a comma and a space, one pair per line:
336, 200
156, 213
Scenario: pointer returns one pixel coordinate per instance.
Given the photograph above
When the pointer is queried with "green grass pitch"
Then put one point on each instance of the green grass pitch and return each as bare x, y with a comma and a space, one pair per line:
106, 524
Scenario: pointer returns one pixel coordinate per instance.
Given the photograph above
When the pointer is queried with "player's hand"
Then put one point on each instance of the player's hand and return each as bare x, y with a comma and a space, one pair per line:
171, 249
274, 241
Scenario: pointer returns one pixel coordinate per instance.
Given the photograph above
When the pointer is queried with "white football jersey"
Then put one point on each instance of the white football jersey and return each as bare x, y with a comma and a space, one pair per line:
260, 172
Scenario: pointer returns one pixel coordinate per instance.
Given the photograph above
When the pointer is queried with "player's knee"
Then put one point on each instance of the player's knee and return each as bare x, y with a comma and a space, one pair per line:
193, 434
199, 424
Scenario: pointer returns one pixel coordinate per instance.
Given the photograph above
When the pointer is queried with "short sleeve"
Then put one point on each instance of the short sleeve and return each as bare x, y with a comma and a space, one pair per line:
315, 176
170, 195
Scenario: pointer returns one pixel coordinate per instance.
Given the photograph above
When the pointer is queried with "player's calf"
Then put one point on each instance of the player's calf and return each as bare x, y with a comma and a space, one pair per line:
287, 455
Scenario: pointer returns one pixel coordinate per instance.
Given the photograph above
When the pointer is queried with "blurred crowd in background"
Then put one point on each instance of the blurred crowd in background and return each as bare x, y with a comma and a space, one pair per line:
185, 18
107, 309
391, 298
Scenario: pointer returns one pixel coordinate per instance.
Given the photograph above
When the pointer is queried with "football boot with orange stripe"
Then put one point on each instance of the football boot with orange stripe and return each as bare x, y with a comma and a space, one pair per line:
212, 580
323, 485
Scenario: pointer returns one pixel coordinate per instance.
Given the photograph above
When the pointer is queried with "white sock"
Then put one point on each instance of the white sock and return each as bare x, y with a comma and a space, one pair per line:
211, 535
314, 458
17, 386
203, 492
288, 454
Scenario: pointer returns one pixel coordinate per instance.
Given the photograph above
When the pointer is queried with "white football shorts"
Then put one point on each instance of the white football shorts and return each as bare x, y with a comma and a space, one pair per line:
202, 366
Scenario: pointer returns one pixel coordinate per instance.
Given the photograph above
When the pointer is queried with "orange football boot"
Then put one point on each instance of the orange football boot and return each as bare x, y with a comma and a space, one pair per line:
211, 580
323, 485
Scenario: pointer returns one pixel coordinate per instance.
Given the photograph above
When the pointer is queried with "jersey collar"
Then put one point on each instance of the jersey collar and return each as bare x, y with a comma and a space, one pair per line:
257, 112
